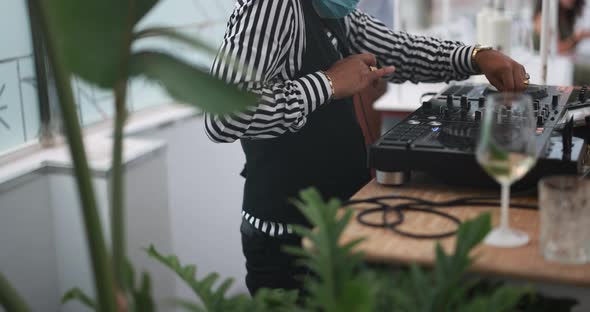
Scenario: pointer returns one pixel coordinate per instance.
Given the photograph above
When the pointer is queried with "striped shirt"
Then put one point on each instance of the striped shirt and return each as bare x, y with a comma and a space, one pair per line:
267, 39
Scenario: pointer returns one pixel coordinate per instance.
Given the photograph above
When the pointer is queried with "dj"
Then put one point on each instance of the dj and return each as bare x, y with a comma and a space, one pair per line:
306, 59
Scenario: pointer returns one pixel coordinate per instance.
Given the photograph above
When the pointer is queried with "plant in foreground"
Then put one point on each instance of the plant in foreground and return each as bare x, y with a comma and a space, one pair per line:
94, 40
340, 281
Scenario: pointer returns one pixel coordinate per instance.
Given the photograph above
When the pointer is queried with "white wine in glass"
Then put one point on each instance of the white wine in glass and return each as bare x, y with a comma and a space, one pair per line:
506, 150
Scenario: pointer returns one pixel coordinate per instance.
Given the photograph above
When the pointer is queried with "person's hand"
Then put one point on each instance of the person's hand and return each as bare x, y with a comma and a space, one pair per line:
353, 74
581, 35
503, 72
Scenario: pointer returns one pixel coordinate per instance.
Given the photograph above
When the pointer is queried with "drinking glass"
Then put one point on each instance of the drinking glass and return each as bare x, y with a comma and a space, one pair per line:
564, 203
506, 150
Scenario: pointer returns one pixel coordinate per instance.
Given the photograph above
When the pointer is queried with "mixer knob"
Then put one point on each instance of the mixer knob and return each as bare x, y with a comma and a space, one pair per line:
540, 121
464, 102
477, 115
481, 102
555, 101
536, 104
450, 101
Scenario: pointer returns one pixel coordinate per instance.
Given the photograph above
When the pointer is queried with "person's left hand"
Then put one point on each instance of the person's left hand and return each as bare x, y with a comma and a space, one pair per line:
503, 72
582, 35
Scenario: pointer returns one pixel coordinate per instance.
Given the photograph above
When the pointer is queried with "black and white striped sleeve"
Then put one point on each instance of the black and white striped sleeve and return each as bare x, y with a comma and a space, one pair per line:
266, 39
416, 58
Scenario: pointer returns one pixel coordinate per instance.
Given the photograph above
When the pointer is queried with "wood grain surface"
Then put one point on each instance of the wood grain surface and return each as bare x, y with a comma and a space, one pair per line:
524, 263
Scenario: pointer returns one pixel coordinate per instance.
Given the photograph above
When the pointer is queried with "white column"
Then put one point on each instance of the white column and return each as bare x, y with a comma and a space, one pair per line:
545, 39
554, 25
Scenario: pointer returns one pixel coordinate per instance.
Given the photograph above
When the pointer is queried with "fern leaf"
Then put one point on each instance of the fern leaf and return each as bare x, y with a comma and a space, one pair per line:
337, 284
77, 294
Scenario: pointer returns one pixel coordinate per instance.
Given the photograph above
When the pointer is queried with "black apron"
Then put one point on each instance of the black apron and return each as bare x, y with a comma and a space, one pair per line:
328, 153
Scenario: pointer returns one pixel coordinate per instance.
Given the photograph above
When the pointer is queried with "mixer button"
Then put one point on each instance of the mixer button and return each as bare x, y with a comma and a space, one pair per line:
477, 115
414, 122
432, 117
481, 102
450, 103
464, 102
555, 101
583, 94
435, 123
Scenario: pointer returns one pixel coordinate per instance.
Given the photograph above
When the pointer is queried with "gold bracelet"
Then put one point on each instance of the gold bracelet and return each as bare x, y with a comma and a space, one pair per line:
331, 85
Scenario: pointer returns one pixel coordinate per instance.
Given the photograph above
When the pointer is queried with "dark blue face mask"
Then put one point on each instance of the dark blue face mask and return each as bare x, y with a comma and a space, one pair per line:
334, 8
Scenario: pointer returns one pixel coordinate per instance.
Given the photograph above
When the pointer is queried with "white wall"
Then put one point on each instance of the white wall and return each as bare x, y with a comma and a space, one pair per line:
27, 252
185, 199
205, 200
42, 237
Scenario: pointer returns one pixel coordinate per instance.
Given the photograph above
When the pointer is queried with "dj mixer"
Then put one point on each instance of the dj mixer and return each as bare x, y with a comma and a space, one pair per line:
440, 137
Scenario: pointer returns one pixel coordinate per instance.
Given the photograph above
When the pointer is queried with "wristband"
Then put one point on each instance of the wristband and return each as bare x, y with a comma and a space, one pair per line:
331, 85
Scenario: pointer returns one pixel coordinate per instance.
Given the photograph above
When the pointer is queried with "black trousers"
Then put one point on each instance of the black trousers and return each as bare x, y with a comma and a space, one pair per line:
267, 265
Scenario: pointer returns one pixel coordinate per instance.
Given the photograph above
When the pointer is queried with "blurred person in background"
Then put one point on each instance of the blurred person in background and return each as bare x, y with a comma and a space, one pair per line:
569, 38
569, 12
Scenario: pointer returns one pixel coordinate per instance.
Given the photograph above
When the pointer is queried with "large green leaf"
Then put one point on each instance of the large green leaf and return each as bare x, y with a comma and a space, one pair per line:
95, 35
189, 84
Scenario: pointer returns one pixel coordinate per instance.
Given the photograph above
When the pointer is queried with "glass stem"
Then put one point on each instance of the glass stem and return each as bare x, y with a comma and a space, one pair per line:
504, 220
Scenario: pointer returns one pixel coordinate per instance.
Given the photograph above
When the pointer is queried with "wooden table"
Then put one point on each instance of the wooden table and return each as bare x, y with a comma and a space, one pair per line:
525, 263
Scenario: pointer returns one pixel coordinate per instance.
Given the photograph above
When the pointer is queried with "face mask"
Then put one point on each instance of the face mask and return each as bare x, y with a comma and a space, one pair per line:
334, 8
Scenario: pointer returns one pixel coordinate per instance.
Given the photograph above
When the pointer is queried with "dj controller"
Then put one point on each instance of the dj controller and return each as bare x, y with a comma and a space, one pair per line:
440, 137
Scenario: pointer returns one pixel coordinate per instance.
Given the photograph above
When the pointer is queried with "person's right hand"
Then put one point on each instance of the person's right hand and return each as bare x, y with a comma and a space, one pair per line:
353, 74
581, 35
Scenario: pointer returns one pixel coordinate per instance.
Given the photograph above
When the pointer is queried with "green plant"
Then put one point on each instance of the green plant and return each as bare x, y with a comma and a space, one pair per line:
214, 298
445, 288
340, 282
336, 284
93, 40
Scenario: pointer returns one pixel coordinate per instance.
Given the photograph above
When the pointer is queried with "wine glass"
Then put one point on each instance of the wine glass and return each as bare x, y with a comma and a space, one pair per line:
507, 151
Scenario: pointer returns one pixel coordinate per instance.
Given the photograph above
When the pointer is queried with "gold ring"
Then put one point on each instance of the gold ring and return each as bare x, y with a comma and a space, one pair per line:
373, 68
526, 81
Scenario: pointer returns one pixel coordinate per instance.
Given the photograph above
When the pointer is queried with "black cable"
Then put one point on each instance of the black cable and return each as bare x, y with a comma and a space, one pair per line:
422, 206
